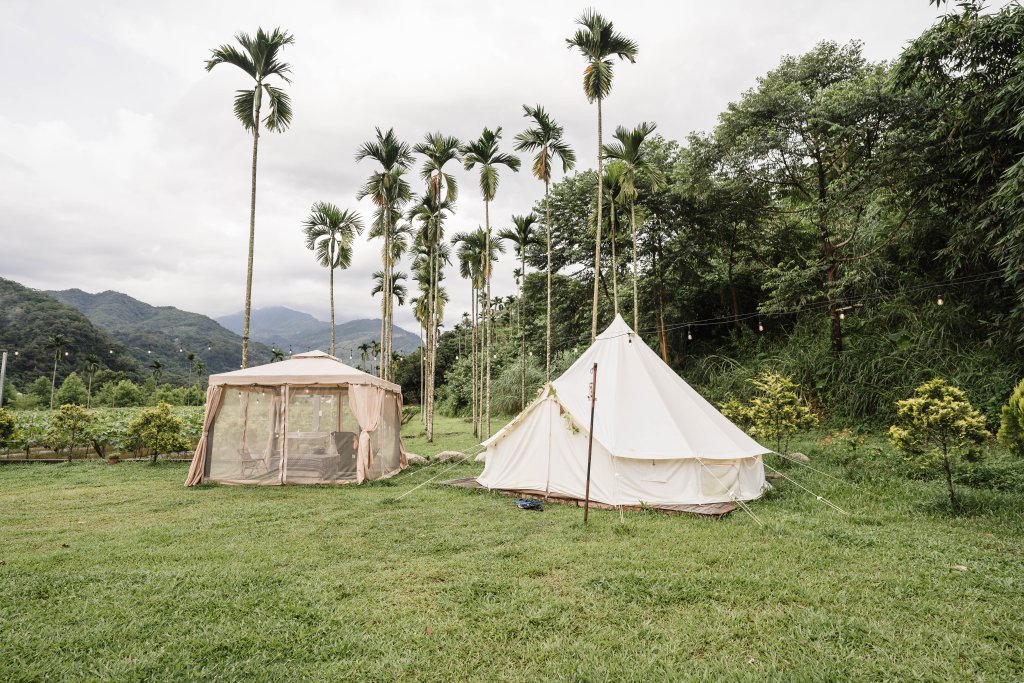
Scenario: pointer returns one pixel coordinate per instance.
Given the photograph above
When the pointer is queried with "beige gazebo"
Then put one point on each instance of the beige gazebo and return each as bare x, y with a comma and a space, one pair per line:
309, 419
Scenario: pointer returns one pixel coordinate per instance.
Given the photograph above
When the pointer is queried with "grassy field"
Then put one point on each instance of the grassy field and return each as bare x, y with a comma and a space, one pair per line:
120, 573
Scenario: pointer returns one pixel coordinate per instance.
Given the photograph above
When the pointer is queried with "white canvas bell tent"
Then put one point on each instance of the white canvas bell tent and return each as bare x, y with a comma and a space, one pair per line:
309, 419
656, 440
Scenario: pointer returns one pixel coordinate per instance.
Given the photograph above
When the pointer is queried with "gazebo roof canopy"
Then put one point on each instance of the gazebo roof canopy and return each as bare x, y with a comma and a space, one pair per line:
312, 367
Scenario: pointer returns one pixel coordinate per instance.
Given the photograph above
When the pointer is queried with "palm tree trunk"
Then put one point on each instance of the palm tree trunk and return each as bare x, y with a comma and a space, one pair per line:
385, 341
487, 308
547, 224
522, 335
597, 229
615, 262
330, 269
636, 298
472, 353
252, 234
88, 402
53, 380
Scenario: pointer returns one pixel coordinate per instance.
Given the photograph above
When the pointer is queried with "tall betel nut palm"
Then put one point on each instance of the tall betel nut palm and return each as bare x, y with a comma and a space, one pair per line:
598, 42
545, 138
389, 191
259, 58
522, 238
483, 152
637, 166
330, 233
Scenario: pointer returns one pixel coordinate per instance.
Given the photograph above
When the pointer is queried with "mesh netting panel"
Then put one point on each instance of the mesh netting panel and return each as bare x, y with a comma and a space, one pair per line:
387, 454
322, 436
245, 440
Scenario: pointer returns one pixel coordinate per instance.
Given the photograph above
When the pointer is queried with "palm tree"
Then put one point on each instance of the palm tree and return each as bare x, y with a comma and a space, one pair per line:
330, 232
522, 237
191, 357
158, 370
545, 137
484, 152
92, 366
388, 190
200, 369
276, 355
375, 350
611, 184
57, 342
471, 249
598, 42
396, 287
442, 190
364, 353
637, 164
259, 59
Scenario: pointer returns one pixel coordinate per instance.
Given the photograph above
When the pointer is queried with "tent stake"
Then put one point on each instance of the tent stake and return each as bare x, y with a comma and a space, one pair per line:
590, 444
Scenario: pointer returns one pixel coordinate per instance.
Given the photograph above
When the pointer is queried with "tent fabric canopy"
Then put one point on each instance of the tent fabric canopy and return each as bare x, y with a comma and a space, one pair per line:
312, 367
310, 419
656, 440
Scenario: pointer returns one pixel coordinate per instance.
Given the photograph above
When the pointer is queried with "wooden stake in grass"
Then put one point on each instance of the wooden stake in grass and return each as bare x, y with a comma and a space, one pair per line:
590, 444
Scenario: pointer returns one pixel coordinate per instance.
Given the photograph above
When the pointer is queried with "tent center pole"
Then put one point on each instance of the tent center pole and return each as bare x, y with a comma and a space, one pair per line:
590, 443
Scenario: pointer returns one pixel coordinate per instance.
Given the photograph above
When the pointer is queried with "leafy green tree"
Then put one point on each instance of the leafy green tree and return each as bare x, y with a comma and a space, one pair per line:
598, 42
938, 422
72, 391
40, 389
816, 129
157, 430
545, 138
67, 427
126, 393
330, 233
259, 58
389, 191
483, 152
968, 73
637, 165
1011, 426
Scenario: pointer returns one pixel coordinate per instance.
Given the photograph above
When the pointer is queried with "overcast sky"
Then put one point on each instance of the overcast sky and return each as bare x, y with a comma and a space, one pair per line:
123, 167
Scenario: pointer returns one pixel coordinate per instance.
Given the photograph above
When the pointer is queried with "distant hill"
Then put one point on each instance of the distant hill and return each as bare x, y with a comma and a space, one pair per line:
29, 317
286, 328
163, 333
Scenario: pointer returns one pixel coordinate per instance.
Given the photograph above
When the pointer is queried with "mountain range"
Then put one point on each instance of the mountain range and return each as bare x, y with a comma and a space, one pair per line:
128, 335
288, 329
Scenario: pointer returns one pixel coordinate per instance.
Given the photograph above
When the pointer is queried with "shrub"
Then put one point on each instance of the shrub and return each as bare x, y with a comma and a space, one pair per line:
126, 393
68, 426
776, 412
158, 431
6, 427
1011, 425
936, 423
72, 391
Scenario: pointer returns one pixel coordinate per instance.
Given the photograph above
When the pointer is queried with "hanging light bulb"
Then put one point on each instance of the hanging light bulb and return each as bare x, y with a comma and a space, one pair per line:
842, 316
760, 327
940, 300
689, 335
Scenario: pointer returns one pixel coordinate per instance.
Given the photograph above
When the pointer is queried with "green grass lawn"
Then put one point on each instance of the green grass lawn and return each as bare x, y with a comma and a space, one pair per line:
119, 573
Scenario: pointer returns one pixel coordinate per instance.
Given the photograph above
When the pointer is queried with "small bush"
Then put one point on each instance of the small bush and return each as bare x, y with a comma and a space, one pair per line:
776, 412
1011, 426
935, 424
7, 426
158, 431
68, 426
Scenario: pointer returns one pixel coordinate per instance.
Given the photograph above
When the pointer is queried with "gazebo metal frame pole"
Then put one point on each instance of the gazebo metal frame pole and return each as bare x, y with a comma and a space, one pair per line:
590, 444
